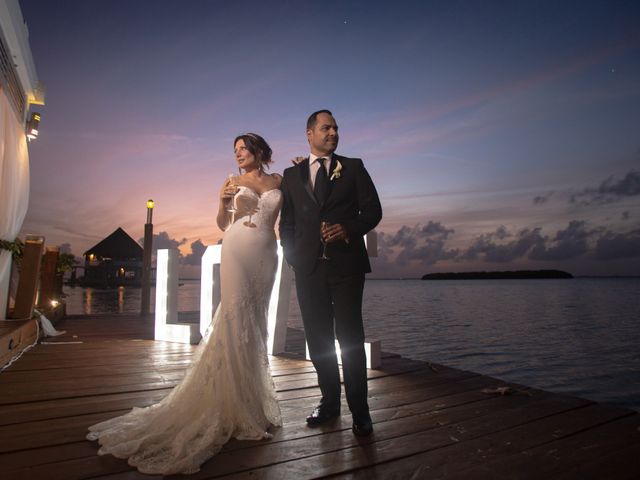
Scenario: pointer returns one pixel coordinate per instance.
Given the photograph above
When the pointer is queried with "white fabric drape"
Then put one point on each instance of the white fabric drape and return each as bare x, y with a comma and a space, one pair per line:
14, 188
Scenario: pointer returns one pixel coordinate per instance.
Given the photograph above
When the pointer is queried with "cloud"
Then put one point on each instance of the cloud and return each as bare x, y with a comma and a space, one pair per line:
530, 243
195, 257
65, 248
484, 247
501, 233
629, 186
609, 190
436, 230
542, 199
424, 244
163, 240
613, 246
427, 244
625, 215
571, 242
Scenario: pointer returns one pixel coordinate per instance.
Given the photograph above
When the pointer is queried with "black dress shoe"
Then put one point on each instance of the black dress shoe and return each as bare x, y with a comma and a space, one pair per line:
362, 427
322, 414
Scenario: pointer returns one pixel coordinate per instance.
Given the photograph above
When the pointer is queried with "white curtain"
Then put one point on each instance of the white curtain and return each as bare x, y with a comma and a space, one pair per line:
14, 188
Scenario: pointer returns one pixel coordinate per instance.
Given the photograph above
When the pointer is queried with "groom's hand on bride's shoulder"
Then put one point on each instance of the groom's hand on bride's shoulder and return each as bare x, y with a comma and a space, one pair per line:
297, 160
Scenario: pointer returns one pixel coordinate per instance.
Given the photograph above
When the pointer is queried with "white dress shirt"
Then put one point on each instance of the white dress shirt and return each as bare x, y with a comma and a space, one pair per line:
314, 165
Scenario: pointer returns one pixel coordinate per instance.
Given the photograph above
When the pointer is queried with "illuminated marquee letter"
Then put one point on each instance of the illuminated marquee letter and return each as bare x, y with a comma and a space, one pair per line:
167, 327
166, 317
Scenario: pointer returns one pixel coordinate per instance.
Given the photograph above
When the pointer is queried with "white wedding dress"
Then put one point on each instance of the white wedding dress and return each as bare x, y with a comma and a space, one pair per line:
228, 390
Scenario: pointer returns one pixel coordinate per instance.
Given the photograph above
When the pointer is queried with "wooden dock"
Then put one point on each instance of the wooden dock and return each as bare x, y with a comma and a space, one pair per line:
430, 421
15, 337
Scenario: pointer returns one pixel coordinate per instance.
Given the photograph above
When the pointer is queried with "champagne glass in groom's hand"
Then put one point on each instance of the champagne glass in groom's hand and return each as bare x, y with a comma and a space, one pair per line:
323, 227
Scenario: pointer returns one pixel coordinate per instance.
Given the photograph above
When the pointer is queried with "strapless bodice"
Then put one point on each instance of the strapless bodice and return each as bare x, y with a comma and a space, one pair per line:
266, 206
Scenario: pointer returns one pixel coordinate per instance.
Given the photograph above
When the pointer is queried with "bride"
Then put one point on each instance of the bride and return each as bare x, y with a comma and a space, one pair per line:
228, 390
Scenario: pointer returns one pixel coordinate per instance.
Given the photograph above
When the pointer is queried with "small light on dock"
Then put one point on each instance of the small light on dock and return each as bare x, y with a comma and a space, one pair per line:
145, 294
149, 210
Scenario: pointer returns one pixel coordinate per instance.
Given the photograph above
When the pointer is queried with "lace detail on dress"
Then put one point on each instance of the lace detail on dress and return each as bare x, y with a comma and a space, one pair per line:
247, 201
228, 390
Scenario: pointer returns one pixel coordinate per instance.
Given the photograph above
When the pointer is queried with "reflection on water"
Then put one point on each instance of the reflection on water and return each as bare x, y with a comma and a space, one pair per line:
121, 299
89, 300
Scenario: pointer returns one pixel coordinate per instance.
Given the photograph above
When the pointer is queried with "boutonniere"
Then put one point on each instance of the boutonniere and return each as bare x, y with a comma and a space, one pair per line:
336, 171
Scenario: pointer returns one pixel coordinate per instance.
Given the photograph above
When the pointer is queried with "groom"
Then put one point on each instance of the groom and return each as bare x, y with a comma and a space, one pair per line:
329, 187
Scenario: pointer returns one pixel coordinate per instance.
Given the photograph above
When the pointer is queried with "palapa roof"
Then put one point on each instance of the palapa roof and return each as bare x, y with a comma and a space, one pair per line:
117, 245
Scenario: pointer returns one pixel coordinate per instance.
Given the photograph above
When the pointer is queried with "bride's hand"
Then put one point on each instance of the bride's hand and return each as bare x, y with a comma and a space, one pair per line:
228, 191
297, 160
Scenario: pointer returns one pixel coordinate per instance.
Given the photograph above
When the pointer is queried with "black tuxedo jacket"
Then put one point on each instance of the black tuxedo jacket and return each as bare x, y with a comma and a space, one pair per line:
351, 200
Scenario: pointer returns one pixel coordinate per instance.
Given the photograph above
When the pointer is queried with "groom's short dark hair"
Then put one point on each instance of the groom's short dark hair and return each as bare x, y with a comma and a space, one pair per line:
313, 118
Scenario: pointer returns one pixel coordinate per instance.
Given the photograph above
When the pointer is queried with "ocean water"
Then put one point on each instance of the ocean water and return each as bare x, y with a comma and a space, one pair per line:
579, 336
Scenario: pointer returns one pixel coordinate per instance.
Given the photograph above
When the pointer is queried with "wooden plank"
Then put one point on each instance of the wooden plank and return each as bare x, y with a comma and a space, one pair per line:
14, 462
466, 456
129, 384
87, 372
77, 469
45, 410
51, 432
566, 454
27, 362
622, 464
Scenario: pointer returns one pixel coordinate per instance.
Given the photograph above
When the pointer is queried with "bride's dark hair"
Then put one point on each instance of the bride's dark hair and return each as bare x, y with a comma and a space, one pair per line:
258, 146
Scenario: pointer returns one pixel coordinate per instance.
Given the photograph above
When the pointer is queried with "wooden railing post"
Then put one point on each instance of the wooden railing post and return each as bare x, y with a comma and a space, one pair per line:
48, 278
29, 275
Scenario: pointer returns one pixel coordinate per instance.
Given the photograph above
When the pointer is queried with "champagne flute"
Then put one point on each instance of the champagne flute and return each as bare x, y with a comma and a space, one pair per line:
323, 226
249, 223
233, 182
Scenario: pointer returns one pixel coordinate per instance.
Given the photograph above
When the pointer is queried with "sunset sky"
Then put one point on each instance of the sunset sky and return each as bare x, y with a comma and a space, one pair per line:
500, 134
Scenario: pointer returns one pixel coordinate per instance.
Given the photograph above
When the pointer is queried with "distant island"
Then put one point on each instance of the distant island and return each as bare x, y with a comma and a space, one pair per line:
517, 274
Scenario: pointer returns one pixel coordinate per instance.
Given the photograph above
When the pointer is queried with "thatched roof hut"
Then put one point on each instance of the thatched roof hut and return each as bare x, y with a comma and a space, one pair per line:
119, 245
113, 262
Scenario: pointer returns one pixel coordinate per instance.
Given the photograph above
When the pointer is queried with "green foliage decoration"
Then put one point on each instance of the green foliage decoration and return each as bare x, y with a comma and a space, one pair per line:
16, 248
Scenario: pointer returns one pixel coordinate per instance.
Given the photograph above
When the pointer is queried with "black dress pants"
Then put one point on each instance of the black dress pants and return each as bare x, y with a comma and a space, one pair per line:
331, 307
